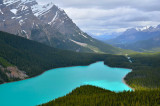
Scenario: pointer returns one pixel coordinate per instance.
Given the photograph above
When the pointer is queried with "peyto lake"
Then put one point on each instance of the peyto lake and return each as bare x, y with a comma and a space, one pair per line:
59, 82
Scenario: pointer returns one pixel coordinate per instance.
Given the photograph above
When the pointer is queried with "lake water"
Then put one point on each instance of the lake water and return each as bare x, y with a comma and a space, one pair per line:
58, 82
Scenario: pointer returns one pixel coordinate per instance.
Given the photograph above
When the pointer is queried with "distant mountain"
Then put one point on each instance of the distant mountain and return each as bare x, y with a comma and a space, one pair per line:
105, 37
149, 45
47, 24
133, 35
143, 39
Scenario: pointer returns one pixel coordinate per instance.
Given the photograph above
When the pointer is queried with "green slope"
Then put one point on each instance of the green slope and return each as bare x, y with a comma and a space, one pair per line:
4, 63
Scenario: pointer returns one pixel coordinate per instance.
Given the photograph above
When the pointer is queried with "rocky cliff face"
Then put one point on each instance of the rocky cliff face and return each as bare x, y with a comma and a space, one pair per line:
11, 73
47, 24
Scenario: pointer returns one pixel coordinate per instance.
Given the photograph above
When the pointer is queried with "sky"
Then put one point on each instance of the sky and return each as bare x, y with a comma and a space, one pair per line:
104, 17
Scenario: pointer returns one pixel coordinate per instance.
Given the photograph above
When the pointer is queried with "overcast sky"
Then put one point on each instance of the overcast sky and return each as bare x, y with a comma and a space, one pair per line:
100, 17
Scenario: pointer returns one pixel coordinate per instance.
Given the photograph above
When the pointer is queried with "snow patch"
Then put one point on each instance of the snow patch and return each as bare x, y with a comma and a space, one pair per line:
26, 34
84, 35
23, 2
40, 10
21, 22
1, 11
13, 18
24, 8
79, 43
53, 18
14, 11
9, 2
27, 1
16, 17
142, 28
81, 33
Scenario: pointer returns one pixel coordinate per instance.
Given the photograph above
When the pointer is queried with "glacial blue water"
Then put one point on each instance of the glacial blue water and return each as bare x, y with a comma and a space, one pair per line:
59, 82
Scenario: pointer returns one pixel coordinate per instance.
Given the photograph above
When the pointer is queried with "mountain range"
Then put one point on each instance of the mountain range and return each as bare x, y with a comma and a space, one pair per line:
146, 39
48, 24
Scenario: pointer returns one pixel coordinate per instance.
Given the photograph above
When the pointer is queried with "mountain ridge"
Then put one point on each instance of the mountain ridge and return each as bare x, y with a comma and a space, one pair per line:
144, 39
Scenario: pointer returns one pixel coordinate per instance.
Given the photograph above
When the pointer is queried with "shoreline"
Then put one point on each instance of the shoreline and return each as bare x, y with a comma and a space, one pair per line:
71, 66
126, 83
49, 70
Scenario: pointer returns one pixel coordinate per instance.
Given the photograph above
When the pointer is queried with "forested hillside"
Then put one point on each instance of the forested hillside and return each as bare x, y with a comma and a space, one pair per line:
35, 58
145, 69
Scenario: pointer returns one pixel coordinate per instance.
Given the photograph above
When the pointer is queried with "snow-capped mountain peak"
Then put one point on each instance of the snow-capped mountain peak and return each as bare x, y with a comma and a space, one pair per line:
10, 2
40, 10
146, 28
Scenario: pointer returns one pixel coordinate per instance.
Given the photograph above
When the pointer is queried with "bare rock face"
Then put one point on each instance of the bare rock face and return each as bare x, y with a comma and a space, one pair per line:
12, 72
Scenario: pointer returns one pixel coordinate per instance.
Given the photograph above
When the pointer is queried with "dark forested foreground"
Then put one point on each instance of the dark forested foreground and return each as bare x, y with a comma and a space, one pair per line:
94, 96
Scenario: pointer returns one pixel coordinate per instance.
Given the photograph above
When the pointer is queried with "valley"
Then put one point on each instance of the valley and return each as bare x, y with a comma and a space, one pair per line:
35, 58
47, 54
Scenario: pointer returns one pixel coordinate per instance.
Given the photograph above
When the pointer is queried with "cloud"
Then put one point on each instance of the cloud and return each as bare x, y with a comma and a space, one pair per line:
109, 4
107, 16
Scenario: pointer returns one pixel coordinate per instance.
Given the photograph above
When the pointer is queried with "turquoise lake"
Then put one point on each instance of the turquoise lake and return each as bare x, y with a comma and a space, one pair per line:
59, 82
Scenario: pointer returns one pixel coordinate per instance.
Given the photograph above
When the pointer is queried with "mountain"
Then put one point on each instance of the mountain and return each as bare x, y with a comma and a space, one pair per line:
47, 24
21, 58
149, 45
142, 39
106, 37
133, 35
